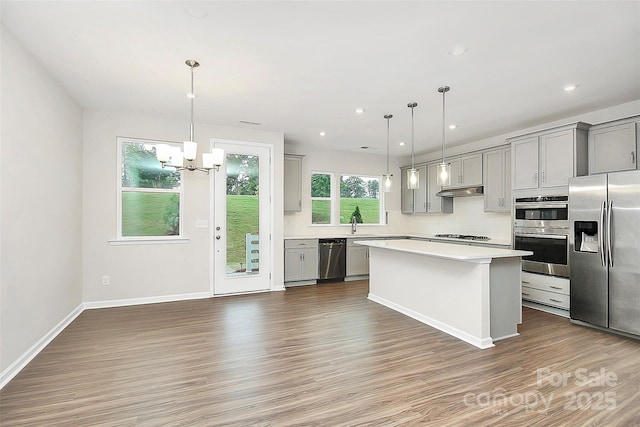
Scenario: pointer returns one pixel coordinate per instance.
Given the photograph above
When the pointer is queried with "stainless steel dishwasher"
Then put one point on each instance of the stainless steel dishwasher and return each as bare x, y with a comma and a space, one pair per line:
333, 259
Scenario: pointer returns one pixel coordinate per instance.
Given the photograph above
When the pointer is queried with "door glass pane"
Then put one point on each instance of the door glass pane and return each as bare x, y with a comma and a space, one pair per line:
242, 214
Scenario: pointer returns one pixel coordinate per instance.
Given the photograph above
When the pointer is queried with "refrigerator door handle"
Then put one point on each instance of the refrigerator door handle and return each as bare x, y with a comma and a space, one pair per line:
603, 210
609, 252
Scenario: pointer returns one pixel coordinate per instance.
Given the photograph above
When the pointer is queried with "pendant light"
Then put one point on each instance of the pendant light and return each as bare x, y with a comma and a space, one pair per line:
443, 169
175, 158
387, 176
413, 181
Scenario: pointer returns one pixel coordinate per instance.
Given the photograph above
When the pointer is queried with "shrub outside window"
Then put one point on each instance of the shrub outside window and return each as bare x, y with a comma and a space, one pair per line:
149, 197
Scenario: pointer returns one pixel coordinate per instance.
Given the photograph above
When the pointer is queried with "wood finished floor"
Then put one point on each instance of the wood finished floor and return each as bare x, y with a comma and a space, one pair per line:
314, 356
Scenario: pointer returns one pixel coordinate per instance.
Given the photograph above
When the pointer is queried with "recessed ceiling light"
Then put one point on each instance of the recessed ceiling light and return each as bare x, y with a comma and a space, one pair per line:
458, 50
569, 88
323, 133
360, 110
452, 127
402, 143
191, 95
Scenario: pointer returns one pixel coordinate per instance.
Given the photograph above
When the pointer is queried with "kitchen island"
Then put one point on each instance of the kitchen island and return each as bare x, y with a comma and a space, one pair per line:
472, 293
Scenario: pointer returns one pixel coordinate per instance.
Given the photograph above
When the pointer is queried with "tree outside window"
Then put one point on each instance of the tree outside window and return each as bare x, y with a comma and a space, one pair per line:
359, 196
321, 205
150, 196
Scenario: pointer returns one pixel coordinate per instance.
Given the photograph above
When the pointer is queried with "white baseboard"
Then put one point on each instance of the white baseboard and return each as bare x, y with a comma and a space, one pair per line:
19, 364
13, 369
90, 305
464, 336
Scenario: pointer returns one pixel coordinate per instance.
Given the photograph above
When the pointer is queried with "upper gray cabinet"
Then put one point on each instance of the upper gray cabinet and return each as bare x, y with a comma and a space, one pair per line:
292, 183
497, 180
544, 161
423, 199
466, 171
613, 146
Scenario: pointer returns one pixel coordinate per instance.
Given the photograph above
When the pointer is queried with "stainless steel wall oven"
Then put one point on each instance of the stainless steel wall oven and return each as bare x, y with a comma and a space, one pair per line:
541, 225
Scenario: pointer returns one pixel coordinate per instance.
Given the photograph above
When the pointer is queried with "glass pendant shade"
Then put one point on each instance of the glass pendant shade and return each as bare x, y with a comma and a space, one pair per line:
218, 156
413, 179
190, 150
387, 183
443, 173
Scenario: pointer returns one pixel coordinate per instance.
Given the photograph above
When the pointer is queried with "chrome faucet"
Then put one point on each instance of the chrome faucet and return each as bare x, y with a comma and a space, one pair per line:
353, 224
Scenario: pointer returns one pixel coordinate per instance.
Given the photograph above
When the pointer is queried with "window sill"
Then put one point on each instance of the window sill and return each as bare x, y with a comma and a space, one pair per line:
153, 241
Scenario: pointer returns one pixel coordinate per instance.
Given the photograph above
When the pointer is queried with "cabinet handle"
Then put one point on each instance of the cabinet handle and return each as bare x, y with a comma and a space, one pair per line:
542, 176
525, 294
633, 157
302, 256
554, 300
555, 287
525, 282
535, 177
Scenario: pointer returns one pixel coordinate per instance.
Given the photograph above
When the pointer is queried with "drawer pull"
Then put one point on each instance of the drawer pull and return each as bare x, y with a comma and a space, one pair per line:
525, 294
525, 282
555, 287
554, 300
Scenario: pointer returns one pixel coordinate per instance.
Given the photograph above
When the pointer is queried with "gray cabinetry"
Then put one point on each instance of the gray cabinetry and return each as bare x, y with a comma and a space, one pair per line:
466, 171
406, 195
613, 146
547, 159
357, 258
497, 180
292, 183
300, 259
548, 290
423, 199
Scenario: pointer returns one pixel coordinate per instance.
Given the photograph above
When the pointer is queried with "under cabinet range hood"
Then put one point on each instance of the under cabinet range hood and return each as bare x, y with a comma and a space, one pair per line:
462, 192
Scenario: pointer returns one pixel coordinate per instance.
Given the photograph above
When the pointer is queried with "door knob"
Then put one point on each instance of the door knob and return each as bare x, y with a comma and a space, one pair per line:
217, 237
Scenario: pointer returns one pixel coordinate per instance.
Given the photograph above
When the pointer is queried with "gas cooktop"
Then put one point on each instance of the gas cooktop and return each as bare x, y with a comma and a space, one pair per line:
462, 236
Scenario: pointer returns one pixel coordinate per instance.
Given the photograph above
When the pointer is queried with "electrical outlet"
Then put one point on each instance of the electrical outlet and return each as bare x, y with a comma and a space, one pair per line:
106, 280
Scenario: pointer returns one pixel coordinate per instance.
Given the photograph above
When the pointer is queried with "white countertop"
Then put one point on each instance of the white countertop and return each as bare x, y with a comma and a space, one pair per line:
500, 242
456, 252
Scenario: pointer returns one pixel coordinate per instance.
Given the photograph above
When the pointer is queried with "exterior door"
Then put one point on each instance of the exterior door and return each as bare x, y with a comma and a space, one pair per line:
242, 219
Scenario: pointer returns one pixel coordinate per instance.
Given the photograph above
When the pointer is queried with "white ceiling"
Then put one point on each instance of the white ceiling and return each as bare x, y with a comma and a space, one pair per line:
302, 67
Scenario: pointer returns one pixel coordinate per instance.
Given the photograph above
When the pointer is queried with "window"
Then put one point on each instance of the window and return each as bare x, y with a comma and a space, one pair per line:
360, 196
357, 195
321, 201
149, 197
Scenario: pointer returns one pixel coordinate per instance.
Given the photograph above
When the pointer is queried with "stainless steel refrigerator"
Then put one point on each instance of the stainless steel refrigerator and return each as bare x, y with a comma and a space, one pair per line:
604, 256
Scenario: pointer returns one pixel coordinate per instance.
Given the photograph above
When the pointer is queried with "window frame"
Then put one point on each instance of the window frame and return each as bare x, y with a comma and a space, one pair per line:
381, 201
335, 198
120, 189
330, 198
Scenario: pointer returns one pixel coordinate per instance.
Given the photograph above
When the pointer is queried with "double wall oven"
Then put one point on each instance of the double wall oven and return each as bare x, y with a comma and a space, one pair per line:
541, 225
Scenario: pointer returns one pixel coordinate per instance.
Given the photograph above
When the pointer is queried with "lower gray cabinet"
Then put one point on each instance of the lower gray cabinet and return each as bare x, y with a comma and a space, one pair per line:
300, 259
357, 259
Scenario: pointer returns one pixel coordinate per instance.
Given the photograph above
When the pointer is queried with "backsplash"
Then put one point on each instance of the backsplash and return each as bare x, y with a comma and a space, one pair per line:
468, 217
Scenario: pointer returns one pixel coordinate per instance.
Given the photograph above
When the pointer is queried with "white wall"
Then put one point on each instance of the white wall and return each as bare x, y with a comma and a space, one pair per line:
41, 190
341, 162
144, 271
